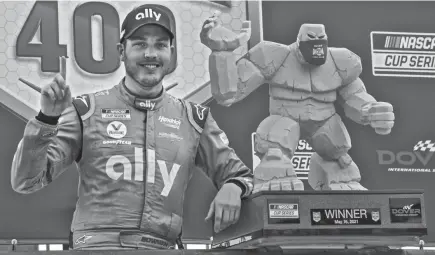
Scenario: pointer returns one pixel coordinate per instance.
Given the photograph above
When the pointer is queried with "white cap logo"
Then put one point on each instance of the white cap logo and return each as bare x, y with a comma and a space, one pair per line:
148, 13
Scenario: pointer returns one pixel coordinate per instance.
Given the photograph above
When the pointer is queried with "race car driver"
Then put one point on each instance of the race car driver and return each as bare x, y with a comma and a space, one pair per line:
135, 146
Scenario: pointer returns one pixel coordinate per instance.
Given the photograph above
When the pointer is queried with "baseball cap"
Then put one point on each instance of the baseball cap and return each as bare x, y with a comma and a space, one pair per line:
144, 15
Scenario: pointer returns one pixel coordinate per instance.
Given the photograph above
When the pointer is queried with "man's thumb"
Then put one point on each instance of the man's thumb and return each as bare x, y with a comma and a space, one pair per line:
210, 212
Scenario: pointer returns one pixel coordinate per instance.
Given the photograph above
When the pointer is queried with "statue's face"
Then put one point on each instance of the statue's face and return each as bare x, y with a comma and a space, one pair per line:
313, 43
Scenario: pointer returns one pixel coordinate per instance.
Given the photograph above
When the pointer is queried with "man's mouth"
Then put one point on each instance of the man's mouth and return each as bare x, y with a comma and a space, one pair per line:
150, 66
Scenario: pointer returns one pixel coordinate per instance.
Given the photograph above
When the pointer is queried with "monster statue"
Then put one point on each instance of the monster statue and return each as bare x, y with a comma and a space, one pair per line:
305, 79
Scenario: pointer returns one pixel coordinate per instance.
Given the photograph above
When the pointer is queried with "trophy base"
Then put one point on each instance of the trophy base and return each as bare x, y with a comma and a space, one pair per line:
327, 219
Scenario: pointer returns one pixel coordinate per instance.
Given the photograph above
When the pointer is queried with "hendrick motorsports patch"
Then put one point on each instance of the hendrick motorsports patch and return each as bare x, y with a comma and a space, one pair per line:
401, 54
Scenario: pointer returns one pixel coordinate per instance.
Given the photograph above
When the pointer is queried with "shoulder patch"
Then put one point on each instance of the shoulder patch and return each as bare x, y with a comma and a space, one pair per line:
268, 57
84, 105
102, 93
348, 64
199, 114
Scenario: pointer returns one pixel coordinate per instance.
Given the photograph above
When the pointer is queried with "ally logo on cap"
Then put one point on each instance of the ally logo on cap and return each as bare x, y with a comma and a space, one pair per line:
148, 13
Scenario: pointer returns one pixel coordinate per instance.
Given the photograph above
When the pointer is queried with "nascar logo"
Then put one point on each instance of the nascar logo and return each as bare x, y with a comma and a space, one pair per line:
401, 54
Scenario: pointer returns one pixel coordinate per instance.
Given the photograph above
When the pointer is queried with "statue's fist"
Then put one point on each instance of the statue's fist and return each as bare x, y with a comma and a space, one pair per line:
219, 38
380, 116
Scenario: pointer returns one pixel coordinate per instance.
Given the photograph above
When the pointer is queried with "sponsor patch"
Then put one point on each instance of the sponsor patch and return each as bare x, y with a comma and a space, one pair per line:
82, 104
170, 136
119, 114
147, 104
170, 122
102, 93
116, 129
82, 239
84, 99
200, 111
117, 142
199, 114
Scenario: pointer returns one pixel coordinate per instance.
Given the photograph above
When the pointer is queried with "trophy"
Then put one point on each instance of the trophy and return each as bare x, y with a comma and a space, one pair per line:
306, 80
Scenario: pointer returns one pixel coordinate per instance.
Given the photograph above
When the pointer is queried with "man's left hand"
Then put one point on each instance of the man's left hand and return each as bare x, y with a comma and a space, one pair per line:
225, 207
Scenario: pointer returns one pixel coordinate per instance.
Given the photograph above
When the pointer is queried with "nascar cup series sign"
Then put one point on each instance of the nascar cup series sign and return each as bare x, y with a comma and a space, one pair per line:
400, 54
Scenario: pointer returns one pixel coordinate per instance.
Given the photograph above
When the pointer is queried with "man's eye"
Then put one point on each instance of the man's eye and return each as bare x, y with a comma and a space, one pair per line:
310, 36
321, 37
140, 44
162, 45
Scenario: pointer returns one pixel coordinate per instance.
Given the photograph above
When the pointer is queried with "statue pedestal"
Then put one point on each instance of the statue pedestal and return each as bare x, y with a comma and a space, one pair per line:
327, 218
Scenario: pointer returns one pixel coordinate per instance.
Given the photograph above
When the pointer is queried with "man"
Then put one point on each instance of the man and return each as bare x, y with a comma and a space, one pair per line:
135, 146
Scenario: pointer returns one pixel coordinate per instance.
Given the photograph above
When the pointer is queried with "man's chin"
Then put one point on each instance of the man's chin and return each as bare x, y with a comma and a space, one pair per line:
151, 82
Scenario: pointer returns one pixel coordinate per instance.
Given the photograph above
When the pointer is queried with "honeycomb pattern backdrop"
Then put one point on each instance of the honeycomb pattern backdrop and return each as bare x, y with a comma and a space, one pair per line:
190, 74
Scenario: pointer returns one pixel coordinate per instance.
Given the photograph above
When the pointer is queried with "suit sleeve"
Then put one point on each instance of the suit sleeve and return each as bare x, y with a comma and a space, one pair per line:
220, 161
45, 152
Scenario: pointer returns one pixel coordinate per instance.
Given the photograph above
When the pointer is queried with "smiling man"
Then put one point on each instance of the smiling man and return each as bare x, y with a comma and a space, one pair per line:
135, 146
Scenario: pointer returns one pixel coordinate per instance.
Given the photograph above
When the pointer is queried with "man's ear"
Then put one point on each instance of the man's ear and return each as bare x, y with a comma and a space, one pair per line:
121, 51
172, 50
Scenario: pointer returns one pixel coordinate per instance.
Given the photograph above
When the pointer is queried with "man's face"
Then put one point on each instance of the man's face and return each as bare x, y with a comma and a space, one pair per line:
147, 54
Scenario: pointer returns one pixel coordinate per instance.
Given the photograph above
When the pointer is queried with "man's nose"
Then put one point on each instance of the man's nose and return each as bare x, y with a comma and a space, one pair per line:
150, 52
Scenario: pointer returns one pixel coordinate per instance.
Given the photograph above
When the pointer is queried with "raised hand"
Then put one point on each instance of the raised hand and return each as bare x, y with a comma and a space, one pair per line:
56, 96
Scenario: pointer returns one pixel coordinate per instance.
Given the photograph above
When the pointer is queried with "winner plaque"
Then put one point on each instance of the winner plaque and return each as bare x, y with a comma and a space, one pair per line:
346, 218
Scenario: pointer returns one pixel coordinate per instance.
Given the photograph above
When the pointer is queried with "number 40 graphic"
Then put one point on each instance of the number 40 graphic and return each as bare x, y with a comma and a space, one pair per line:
45, 16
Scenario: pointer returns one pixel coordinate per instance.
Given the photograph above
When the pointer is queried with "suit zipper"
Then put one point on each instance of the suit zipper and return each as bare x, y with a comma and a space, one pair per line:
145, 162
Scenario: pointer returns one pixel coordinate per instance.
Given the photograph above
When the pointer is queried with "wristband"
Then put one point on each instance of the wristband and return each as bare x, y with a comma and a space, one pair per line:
50, 120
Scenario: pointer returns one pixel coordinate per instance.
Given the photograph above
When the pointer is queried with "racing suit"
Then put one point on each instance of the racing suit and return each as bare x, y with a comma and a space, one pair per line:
135, 158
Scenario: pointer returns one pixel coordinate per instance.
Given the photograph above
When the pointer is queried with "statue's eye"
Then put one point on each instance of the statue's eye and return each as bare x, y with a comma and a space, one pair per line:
311, 36
321, 37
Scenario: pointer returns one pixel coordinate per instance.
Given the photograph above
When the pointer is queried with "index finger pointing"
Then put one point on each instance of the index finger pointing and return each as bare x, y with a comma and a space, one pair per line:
60, 81
63, 67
